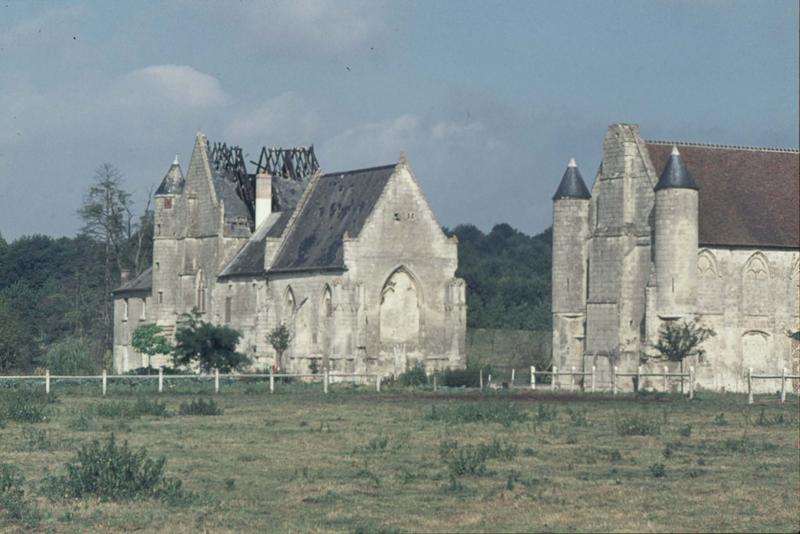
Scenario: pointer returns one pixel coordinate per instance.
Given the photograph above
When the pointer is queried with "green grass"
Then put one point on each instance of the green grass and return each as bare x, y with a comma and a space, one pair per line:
357, 461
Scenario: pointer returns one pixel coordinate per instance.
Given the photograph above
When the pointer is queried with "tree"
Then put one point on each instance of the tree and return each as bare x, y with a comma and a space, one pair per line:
280, 337
678, 341
149, 339
18, 345
208, 345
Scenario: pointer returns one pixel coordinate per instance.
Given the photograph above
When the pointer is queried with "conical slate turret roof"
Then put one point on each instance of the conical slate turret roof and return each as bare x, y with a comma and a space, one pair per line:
572, 184
172, 184
675, 175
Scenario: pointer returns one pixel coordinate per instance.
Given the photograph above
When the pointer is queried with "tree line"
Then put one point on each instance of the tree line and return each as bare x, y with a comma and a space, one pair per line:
56, 308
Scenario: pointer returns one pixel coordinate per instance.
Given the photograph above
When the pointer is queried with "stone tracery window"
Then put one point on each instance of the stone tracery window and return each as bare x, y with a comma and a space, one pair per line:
709, 292
755, 285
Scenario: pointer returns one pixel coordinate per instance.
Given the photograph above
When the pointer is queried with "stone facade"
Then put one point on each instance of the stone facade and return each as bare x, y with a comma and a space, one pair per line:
641, 250
359, 269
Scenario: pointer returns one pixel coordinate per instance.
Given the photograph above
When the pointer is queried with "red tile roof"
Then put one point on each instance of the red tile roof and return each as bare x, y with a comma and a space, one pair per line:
748, 196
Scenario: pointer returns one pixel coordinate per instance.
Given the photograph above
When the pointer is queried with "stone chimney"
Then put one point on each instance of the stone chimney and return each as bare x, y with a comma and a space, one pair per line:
124, 276
263, 197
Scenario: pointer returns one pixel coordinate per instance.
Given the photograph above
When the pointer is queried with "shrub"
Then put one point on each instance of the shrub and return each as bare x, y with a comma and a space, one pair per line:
720, 420
200, 407
546, 413
26, 406
747, 445
413, 377
638, 425
14, 507
685, 431
658, 470
469, 377
150, 371
35, 439
480, 412
112, 472
471, 459
577, 416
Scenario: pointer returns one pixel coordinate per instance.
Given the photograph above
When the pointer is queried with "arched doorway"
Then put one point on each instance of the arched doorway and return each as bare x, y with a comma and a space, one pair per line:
400, 311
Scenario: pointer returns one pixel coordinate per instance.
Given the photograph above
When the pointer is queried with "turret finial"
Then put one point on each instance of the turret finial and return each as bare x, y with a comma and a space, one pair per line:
572, 163
675, 151
402, 159
175, 161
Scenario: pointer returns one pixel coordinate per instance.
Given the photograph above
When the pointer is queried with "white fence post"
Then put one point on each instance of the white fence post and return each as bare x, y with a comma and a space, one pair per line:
666, 383
271, 380
47, 381
572, 378
783, 385
533, 377
594, 376
216, 380
638, 378
434, 382
614, 380
325, 382
554, 378
481, 378
160, 379
105, 382
749, 385
691, 382
378, 383
512, 376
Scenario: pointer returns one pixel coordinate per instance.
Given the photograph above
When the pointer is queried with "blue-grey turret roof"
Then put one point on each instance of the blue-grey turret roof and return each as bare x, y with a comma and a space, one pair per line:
572, 184
676, 175
172, 184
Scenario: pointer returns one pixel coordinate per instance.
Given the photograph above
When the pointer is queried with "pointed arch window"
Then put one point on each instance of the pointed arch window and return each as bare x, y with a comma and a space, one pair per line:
200, 292
755, 285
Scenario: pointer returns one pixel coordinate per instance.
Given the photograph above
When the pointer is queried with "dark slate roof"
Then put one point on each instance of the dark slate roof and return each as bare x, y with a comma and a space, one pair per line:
141, 284
235, 208
286, 191
748, 196
173, 181
250, 259
675, 175
339, 203
572, 184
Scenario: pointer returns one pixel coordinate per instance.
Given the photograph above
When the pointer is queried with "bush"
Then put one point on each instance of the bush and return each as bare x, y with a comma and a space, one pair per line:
413, 377
73, 356
658, 470
141, 407
480, 412
638, 425
471, 459
469, 377
150, 371
200, 407
14, 507
110, 472
26, 406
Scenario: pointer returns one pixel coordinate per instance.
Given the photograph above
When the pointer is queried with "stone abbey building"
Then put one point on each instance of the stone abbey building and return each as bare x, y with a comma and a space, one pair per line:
679, 231
354, 263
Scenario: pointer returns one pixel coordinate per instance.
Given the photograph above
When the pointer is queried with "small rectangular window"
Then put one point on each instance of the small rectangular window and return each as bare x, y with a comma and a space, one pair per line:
228, 306
124, 309
161, 297
167, 203
144, 310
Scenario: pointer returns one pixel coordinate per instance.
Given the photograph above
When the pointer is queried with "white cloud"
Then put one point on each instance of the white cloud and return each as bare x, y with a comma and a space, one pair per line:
381, 142
285, 119
321, 26
167, 88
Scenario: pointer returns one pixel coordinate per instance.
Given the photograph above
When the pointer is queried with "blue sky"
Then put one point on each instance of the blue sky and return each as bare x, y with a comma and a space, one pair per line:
488, 99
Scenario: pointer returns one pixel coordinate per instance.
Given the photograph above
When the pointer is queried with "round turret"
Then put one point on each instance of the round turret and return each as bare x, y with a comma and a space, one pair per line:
570, 249
676, 239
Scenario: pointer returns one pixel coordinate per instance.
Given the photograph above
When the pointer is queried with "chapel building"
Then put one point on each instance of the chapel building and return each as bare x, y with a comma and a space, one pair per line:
675, 231
354, 263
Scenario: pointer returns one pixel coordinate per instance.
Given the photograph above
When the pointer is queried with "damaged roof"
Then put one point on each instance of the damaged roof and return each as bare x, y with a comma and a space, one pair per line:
748, 196
339, 204
141, 284
250, 259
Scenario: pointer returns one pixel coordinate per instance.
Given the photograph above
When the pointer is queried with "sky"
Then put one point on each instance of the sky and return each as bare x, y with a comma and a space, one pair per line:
487, 99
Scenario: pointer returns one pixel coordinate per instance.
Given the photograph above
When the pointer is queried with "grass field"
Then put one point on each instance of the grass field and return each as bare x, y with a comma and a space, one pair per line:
355, 460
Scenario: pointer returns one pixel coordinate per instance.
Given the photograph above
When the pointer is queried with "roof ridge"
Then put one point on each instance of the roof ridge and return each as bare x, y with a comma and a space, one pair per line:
728, 147
354, 171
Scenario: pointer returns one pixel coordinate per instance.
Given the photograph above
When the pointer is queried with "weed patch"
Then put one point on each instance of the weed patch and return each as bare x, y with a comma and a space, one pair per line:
14, 505
35, 439
747, 445
108, 471
200, 407
638, 425
26, 406
480, 412
141, 407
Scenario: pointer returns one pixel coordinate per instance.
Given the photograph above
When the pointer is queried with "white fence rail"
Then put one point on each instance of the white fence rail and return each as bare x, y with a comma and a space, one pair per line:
615, 374
783, 378
103, 378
